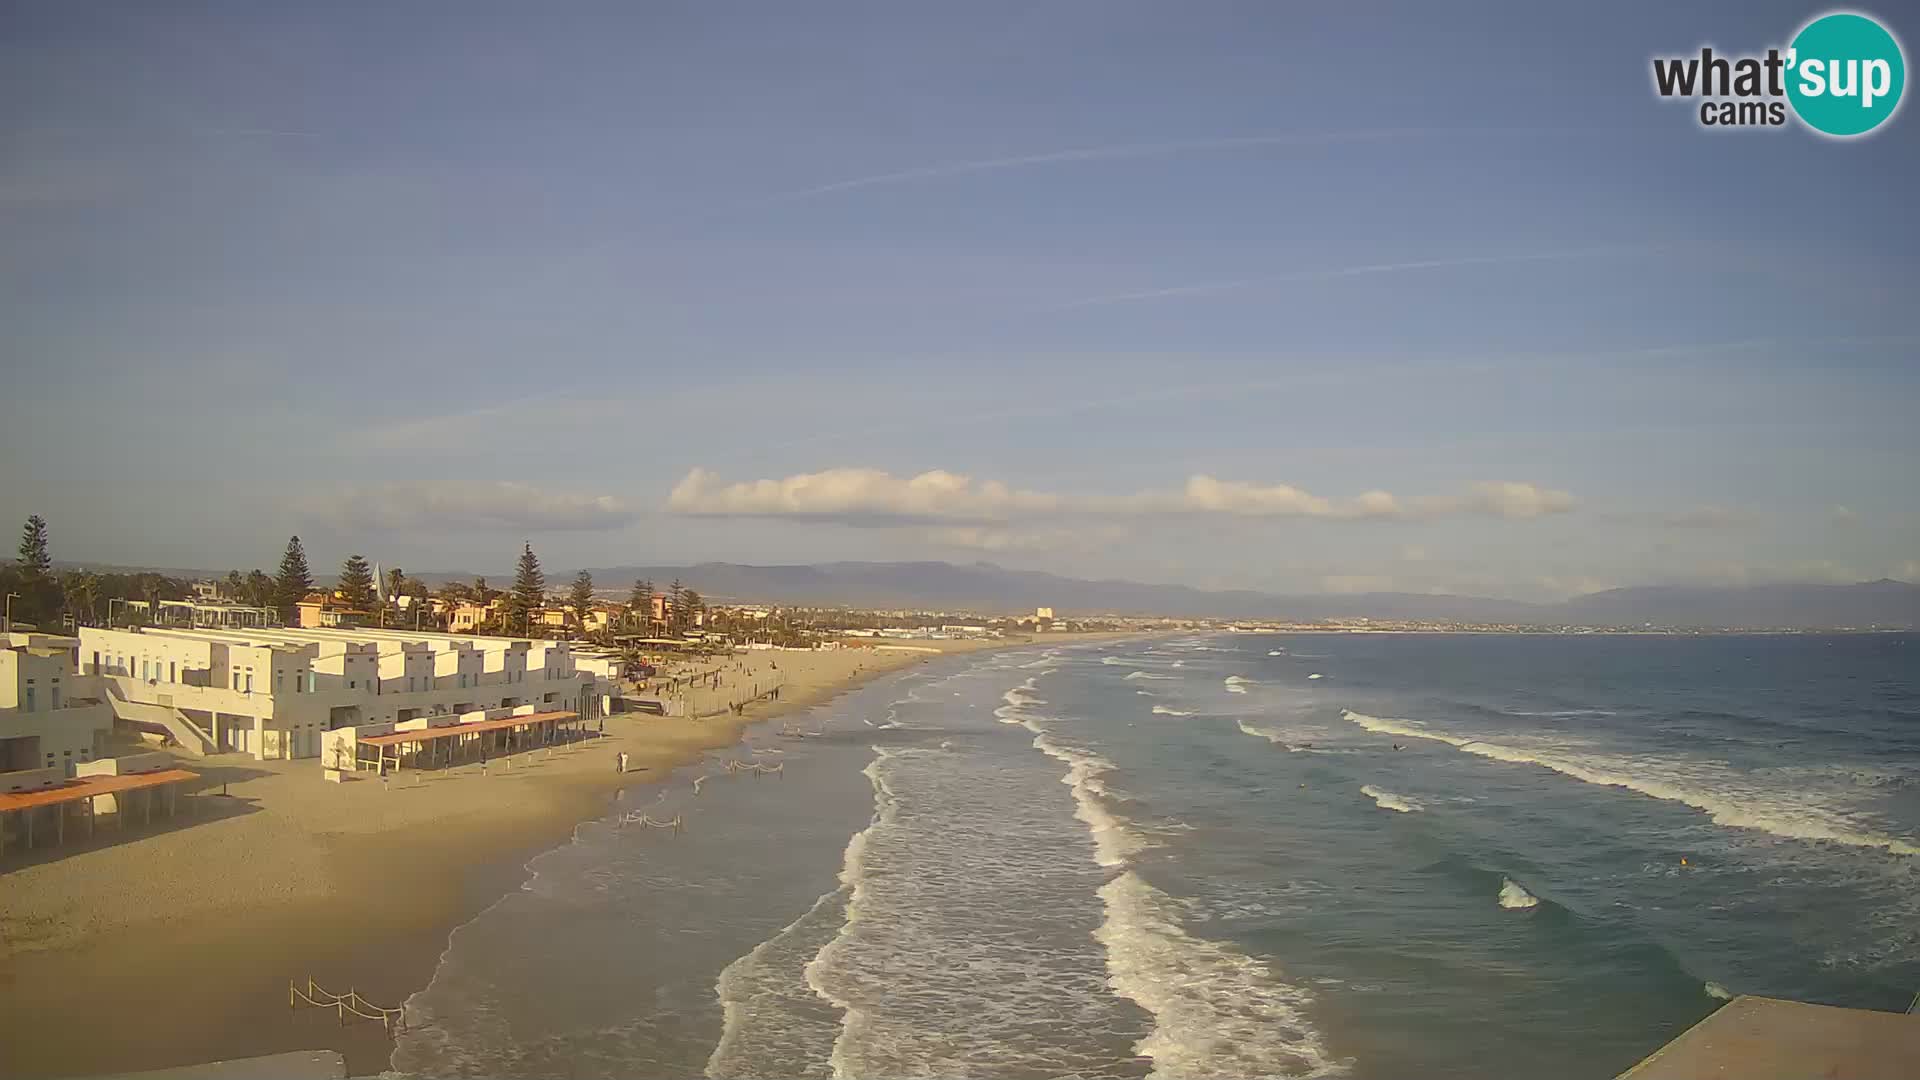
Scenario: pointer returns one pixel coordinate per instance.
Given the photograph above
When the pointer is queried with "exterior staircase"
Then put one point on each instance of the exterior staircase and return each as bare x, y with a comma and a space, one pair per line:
161, 719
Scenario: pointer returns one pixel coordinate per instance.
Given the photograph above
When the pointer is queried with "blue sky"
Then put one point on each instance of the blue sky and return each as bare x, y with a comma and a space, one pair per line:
1159, 291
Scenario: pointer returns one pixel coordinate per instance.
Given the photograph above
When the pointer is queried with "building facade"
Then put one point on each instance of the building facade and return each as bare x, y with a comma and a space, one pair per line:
52, 716
272, 693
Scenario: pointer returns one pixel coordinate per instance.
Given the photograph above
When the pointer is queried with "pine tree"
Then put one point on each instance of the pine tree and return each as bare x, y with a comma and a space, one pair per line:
696, 606
676, 607
529, 591
396, 583
580, 597
356, 583
640, 604
295, 580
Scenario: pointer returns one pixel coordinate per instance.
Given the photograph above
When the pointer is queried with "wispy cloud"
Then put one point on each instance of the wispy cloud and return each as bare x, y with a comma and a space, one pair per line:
1204, 288
875, 497
442, 506
1126, 151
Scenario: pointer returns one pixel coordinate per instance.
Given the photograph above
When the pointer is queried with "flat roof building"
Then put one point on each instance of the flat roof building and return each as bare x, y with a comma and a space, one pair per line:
272, 692
52, 717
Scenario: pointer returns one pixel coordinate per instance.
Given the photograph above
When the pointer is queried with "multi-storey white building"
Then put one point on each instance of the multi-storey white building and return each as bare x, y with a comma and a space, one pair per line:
272, 692
52, 716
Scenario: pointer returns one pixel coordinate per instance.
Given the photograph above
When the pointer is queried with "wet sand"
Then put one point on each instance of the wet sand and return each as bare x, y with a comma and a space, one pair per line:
175, 944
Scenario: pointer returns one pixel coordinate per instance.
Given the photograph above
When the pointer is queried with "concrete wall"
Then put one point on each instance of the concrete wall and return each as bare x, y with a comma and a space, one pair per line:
44, 697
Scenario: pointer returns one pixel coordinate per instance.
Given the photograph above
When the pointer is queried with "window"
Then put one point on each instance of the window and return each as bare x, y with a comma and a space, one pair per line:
351, 685
56, 697
249, 682
29, 705
173, 671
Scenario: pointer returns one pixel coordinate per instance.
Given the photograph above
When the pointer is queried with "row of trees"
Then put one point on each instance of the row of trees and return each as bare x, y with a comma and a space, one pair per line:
36, 594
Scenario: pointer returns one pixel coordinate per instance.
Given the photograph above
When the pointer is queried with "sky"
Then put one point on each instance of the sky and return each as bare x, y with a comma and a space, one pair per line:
1307, 298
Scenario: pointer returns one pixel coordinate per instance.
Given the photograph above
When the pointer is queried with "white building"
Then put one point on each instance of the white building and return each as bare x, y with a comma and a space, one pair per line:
52, 716
273, 691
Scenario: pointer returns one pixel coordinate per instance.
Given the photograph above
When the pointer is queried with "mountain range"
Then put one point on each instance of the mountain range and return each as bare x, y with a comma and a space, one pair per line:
990, 589
987, 588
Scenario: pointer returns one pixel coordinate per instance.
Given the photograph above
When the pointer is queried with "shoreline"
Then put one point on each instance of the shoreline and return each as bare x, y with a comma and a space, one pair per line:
187, 934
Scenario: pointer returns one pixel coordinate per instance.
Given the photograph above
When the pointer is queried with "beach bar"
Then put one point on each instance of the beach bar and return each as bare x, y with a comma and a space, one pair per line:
150, 786
438, 747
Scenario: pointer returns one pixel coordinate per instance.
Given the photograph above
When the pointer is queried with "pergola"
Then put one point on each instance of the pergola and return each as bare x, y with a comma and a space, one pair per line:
445, 745
86, 790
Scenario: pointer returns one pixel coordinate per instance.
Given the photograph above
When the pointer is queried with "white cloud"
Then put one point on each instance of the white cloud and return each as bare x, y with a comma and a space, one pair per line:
859, 495
455, 505
876, 497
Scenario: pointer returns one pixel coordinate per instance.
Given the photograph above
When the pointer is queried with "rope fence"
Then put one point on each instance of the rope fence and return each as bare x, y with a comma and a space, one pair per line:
640, 817
394, 1020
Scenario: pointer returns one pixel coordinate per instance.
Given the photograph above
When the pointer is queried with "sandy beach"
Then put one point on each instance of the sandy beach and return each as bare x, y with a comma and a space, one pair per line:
175, 943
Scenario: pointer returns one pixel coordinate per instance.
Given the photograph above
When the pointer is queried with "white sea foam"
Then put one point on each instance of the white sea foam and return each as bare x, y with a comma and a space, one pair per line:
1017, 700
1715, 990
1278, 652
1723, 793
1112, 842
1164, 711
1513, 896
1216, 1012
1237, 685
1316, 675
1387, 800
1150, 675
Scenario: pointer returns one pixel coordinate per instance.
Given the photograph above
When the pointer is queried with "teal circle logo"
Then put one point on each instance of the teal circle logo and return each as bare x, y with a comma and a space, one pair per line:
1845, 73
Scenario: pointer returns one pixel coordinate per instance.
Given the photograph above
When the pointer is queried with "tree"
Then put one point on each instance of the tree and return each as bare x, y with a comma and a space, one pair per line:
396, 583
234, 584
483, 595
82, 590
580, 597
640, 605
295, 580
696, 606
33, 575
356, 583
529, 591
258, 589
676, 608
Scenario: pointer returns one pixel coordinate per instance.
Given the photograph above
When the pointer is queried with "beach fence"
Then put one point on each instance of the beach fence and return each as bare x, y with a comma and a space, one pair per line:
394, 1020
640, 817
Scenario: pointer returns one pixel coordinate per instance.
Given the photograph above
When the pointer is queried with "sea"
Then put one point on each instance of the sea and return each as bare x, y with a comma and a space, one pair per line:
1228, 855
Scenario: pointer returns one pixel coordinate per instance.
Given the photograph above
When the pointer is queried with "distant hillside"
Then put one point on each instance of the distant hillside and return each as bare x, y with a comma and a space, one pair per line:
989, 588
986, 588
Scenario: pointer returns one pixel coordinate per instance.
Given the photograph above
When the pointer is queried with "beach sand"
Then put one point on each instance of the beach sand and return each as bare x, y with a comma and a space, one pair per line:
175, 943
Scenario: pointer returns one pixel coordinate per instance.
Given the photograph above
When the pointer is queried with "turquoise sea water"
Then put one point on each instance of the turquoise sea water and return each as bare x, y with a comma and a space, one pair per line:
1444, 856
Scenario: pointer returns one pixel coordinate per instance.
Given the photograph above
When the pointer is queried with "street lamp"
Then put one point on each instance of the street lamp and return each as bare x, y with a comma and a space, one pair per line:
11, 597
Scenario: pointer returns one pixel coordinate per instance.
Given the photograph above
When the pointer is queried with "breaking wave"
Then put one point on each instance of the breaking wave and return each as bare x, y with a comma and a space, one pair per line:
1387, 800
1515, 897
1151, 675
1164, 711
1216, 1012
1703, 786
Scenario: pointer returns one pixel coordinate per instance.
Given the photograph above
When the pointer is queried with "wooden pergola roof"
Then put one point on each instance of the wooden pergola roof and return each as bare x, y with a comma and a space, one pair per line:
75, 790
476, 727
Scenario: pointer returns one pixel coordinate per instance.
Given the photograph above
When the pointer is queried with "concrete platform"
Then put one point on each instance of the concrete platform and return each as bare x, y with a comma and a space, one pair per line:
1758, 1038
298, 1065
